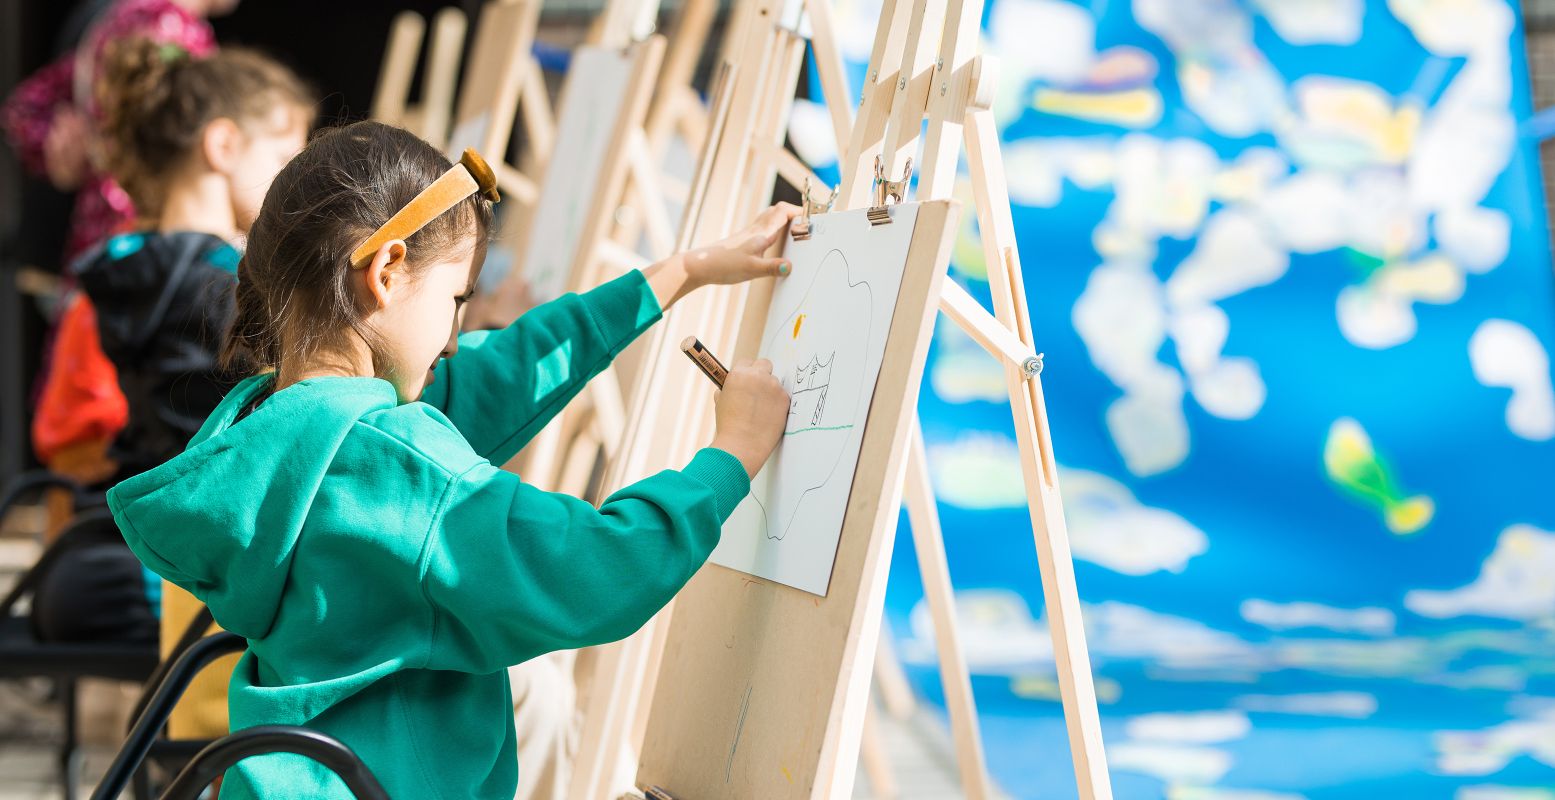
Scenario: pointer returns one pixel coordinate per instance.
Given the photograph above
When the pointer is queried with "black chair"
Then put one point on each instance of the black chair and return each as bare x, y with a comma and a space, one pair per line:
35, 481
218, 756
23, 655
170, 754
323, 748
158, 706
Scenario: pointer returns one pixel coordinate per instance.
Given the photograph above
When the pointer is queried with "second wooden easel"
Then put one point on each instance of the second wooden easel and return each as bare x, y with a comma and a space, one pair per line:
923, 66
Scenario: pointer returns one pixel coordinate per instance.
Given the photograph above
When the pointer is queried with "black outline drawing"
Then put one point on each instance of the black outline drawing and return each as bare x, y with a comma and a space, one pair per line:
826, 264
818, 391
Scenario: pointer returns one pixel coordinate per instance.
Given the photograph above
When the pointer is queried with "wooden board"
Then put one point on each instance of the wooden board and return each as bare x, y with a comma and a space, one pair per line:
605, 97
764, 687
488, 100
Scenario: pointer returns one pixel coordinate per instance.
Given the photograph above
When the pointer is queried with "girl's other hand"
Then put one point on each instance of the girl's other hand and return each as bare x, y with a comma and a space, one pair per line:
752, 410
741, 256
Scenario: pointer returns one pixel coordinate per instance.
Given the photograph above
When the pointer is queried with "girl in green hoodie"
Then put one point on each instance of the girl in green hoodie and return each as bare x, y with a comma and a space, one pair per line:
341, 509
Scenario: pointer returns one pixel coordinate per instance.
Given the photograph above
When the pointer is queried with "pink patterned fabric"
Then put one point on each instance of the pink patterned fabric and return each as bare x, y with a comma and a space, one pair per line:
102, 208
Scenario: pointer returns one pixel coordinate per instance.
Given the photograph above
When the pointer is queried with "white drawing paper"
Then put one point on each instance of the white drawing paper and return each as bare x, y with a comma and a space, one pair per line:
591, 106
825, 336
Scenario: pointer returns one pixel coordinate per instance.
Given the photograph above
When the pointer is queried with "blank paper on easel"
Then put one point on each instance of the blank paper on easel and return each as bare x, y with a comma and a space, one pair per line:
591, 106
825, 335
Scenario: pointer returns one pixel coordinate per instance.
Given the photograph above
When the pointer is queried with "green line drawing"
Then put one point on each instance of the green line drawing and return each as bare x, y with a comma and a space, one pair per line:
807, 430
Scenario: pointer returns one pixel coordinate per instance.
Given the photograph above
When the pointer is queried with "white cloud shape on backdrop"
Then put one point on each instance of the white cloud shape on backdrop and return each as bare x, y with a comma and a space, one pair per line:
997, 632
1507, 355
1517, 581
1126, 313
815, 140
1304, 22
1000, 636
1455, 27
1204, 727
1351, 705
978, 470
1475, 237
1049, 40
1285, 616
1493, 792
1110, 527
963, 372
1224, 78
1219, 793
1170, 762
1488, 751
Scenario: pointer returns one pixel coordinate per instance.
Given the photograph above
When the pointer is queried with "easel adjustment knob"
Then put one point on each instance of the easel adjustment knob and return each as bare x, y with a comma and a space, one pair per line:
1032, 366
886, 190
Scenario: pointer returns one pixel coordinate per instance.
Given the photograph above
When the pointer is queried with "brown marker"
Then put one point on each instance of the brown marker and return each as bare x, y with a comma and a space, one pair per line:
705, 360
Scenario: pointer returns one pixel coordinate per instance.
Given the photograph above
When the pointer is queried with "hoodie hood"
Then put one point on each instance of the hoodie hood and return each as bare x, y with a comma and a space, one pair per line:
143, 283
222, 519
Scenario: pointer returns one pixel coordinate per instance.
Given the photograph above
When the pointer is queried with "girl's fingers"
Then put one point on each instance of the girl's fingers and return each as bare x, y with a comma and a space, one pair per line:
771, 224
776, 266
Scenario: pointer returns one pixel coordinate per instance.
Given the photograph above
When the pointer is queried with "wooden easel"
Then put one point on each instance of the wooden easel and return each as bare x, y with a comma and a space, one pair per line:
429, 119
501, 79
923, 66
398, 68
627, 184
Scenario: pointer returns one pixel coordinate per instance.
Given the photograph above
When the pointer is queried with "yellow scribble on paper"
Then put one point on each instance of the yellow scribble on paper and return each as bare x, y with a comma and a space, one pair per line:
1352, 462
798, 321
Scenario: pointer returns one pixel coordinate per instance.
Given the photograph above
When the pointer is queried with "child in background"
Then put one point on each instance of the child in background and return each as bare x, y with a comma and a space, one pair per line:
50, 119
341, 509
196, 142
51, 122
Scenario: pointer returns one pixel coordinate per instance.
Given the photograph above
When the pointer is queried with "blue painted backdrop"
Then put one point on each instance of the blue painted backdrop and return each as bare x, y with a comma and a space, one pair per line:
1289, 263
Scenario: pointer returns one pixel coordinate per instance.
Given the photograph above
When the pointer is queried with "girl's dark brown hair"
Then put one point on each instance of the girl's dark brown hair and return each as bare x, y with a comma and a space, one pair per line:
156, 101
294, 281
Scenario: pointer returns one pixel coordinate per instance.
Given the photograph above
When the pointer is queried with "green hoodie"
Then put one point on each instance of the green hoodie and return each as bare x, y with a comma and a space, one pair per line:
386, 574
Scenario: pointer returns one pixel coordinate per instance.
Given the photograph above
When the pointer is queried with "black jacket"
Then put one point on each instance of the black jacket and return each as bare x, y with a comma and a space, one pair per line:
163, 301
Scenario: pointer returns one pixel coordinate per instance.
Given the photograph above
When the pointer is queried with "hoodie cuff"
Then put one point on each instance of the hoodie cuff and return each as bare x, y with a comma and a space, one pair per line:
724, 474
622, 309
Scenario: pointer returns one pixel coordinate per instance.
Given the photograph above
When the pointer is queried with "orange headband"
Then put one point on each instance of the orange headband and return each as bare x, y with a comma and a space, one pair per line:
463, 179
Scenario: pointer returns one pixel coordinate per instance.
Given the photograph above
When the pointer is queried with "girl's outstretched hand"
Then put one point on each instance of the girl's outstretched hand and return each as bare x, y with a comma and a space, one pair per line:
737, 259
741, 257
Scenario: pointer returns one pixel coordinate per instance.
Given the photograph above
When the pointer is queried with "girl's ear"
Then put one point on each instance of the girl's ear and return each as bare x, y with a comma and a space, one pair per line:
222, 144
385, 274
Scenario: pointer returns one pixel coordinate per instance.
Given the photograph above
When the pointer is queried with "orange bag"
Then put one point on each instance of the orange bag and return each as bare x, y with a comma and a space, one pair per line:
81, 402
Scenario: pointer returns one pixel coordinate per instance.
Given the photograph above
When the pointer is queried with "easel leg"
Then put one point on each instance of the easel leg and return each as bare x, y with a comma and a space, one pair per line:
928, 540
894, 689
609, 712
1055, 560
872, 752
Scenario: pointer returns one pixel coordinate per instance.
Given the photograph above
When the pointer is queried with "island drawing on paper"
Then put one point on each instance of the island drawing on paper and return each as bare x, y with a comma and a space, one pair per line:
822, 360
825, 335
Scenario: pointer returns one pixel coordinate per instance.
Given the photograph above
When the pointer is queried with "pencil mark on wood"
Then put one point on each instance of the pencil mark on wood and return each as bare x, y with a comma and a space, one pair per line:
739, 727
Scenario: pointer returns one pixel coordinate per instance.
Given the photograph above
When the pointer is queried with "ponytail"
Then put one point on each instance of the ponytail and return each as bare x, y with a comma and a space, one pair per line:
251, 341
